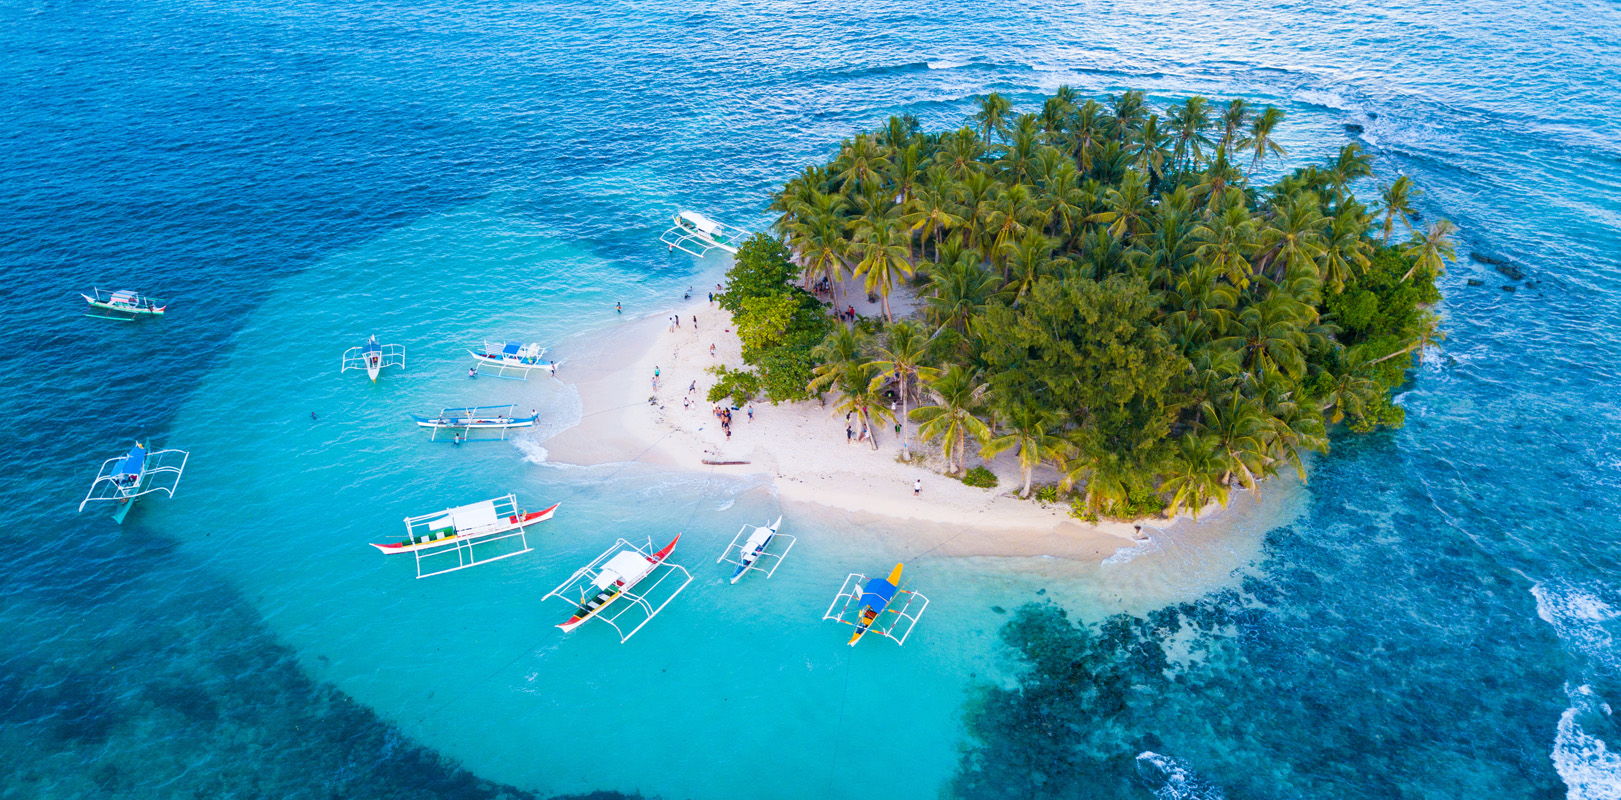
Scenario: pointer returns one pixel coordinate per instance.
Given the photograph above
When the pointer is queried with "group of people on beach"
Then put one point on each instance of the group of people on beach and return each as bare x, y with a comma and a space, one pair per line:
850, 435
724, 414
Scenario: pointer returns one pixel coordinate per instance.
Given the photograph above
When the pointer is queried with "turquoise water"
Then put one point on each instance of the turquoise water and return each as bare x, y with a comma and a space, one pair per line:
1433, 616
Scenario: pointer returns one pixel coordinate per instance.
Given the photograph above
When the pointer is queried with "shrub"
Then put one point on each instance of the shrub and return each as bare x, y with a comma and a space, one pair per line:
1047, 494
980, 477
738, 384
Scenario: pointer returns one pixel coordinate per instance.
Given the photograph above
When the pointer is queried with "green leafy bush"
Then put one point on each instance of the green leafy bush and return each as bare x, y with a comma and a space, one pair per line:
738, 384
980, 477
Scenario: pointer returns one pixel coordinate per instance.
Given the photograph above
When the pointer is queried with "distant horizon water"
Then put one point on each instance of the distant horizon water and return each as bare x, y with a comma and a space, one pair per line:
1433, 615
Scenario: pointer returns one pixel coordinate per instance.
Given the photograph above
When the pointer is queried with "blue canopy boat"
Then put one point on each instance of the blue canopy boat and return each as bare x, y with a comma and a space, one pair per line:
138, 472
515, 357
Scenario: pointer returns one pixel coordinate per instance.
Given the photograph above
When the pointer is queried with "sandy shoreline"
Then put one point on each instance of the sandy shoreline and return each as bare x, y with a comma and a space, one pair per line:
801, 447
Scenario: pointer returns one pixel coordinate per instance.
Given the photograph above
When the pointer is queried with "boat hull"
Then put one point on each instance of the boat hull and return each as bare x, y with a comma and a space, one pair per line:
513, 523
148, 311
621, 588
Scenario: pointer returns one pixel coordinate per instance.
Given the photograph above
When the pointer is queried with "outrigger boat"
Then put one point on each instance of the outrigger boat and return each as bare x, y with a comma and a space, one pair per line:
458, 531
872, 600
751, 550
475, 418
372, 357
123, 305
138, 472
622, 572
516, 357
697, 234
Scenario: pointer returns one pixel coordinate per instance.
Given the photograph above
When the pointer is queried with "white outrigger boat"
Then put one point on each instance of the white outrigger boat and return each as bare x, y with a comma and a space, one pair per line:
476, 418
622, 572
138, 472
750, 551
873, 602
123, 305
697, 234
461, 530
372, 357
515, 357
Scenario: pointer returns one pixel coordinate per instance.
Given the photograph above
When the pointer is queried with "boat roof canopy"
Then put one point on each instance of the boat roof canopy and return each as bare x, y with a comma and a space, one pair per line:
625, 566
123, 296
878, 593
134, 462
512, 348
700, 221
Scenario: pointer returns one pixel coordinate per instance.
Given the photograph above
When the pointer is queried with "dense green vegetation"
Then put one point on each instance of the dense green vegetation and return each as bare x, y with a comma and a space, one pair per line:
777, 322
1105, 291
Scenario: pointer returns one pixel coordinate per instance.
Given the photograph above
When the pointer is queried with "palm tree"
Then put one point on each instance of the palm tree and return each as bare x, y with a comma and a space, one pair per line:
886, 255
1004, 220
1351, 390
1148, 150
1237, 427
933, 211
1294, 235
1431, 249
820, 237
1089, 129
1227, 241
1351, 164
1129, 110
961, 290
1194, 475
1397, 203
1168, 247
952, 419
1202, 302
992, 116
1128, 206
1271, 334
1030, 431
841, 361
1347, 251
900, 359
1219, 178
1260, 138
1429, 333
960, 153
861, 165
1188, 122
1232, 122
1029, 260
975, 194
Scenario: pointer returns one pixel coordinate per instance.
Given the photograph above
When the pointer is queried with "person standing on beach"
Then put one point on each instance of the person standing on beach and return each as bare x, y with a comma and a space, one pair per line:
751, 412
917, 488
711, 349
694, 323
692, 388
849, 433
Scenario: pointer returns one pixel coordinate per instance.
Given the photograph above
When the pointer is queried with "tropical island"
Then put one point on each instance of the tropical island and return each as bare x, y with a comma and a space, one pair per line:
1099, 292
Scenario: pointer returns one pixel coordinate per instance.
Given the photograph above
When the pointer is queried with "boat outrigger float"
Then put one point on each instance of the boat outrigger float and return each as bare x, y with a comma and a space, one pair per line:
372, 357
750, 551
871, 600
123, 305
514, 357
138, 472
467, 532
622, 572
696, 234
476, 418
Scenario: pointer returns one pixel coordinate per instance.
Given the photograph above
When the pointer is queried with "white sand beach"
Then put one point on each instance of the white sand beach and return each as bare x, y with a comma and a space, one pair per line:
802, 447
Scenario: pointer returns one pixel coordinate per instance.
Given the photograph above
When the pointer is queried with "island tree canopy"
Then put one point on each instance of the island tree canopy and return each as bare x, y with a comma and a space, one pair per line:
1104, 284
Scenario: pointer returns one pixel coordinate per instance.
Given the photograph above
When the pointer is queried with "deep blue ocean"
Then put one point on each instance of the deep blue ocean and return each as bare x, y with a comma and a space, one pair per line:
1435, 616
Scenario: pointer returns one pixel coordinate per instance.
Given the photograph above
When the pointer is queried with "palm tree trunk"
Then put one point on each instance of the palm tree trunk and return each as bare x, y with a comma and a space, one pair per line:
906, 431
1025, 491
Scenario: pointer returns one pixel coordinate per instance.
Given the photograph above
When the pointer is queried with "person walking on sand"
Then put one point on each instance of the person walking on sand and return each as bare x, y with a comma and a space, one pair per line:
917, 488
694, 323
711, 349
692, 388
751, 412
849, 433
